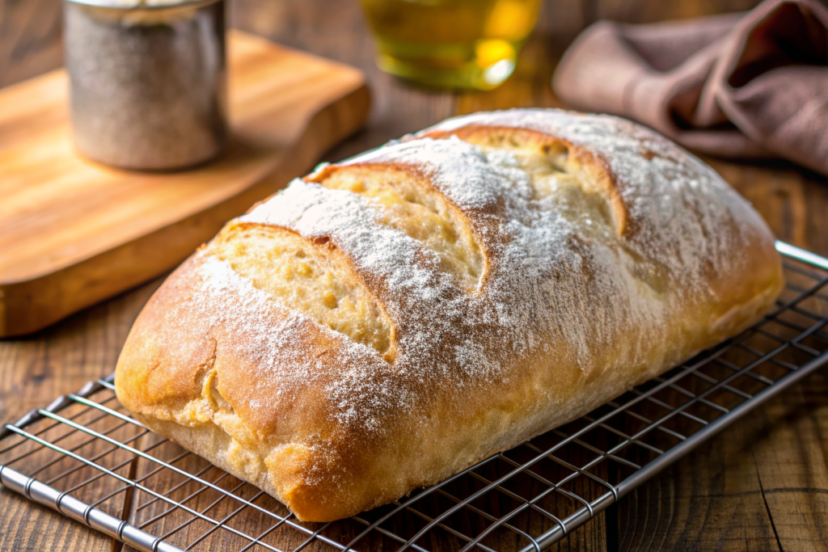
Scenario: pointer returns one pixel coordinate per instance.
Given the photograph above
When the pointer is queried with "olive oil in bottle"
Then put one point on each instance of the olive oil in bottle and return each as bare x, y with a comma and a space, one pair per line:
451, 43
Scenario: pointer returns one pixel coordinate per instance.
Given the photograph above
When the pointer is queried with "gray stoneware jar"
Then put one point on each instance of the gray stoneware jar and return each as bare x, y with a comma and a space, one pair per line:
148, 81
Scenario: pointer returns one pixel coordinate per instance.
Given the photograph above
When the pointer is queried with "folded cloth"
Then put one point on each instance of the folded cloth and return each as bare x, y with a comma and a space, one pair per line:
747, 85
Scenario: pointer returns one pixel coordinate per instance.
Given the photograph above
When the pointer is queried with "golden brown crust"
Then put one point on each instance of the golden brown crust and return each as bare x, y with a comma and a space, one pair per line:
530, 271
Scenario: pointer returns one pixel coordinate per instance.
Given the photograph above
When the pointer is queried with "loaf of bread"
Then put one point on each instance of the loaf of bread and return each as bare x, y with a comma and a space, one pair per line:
388, 321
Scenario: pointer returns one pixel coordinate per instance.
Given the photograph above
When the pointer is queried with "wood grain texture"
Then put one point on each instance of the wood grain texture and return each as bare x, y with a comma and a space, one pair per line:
73, 232
58, 361
758, 486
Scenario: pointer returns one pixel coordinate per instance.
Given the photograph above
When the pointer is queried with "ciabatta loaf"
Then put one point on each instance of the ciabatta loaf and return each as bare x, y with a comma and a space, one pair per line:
385, 322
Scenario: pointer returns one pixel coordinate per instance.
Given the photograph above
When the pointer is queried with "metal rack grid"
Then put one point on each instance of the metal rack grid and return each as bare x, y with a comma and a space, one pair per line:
85, 457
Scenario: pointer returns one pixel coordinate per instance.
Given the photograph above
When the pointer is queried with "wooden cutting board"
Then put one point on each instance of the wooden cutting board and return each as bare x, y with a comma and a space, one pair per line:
73, 232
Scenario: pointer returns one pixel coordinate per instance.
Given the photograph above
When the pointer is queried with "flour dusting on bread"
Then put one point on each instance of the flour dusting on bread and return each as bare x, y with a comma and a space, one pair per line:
447, 296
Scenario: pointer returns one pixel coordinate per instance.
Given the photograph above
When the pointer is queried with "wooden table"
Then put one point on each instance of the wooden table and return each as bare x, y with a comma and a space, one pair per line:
761, 485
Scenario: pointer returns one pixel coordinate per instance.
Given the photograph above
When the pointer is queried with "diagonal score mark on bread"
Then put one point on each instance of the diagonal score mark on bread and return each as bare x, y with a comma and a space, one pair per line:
568, 179
554, 165
410, 205
310, 277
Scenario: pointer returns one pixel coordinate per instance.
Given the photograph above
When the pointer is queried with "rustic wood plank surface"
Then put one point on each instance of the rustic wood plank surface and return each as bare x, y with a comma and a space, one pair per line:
761, 485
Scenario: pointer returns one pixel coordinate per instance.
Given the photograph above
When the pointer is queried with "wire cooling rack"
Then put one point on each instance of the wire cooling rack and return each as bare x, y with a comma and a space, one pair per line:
85, 457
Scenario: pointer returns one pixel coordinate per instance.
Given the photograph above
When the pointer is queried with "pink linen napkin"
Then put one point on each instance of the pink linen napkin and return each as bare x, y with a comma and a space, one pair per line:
748, 85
